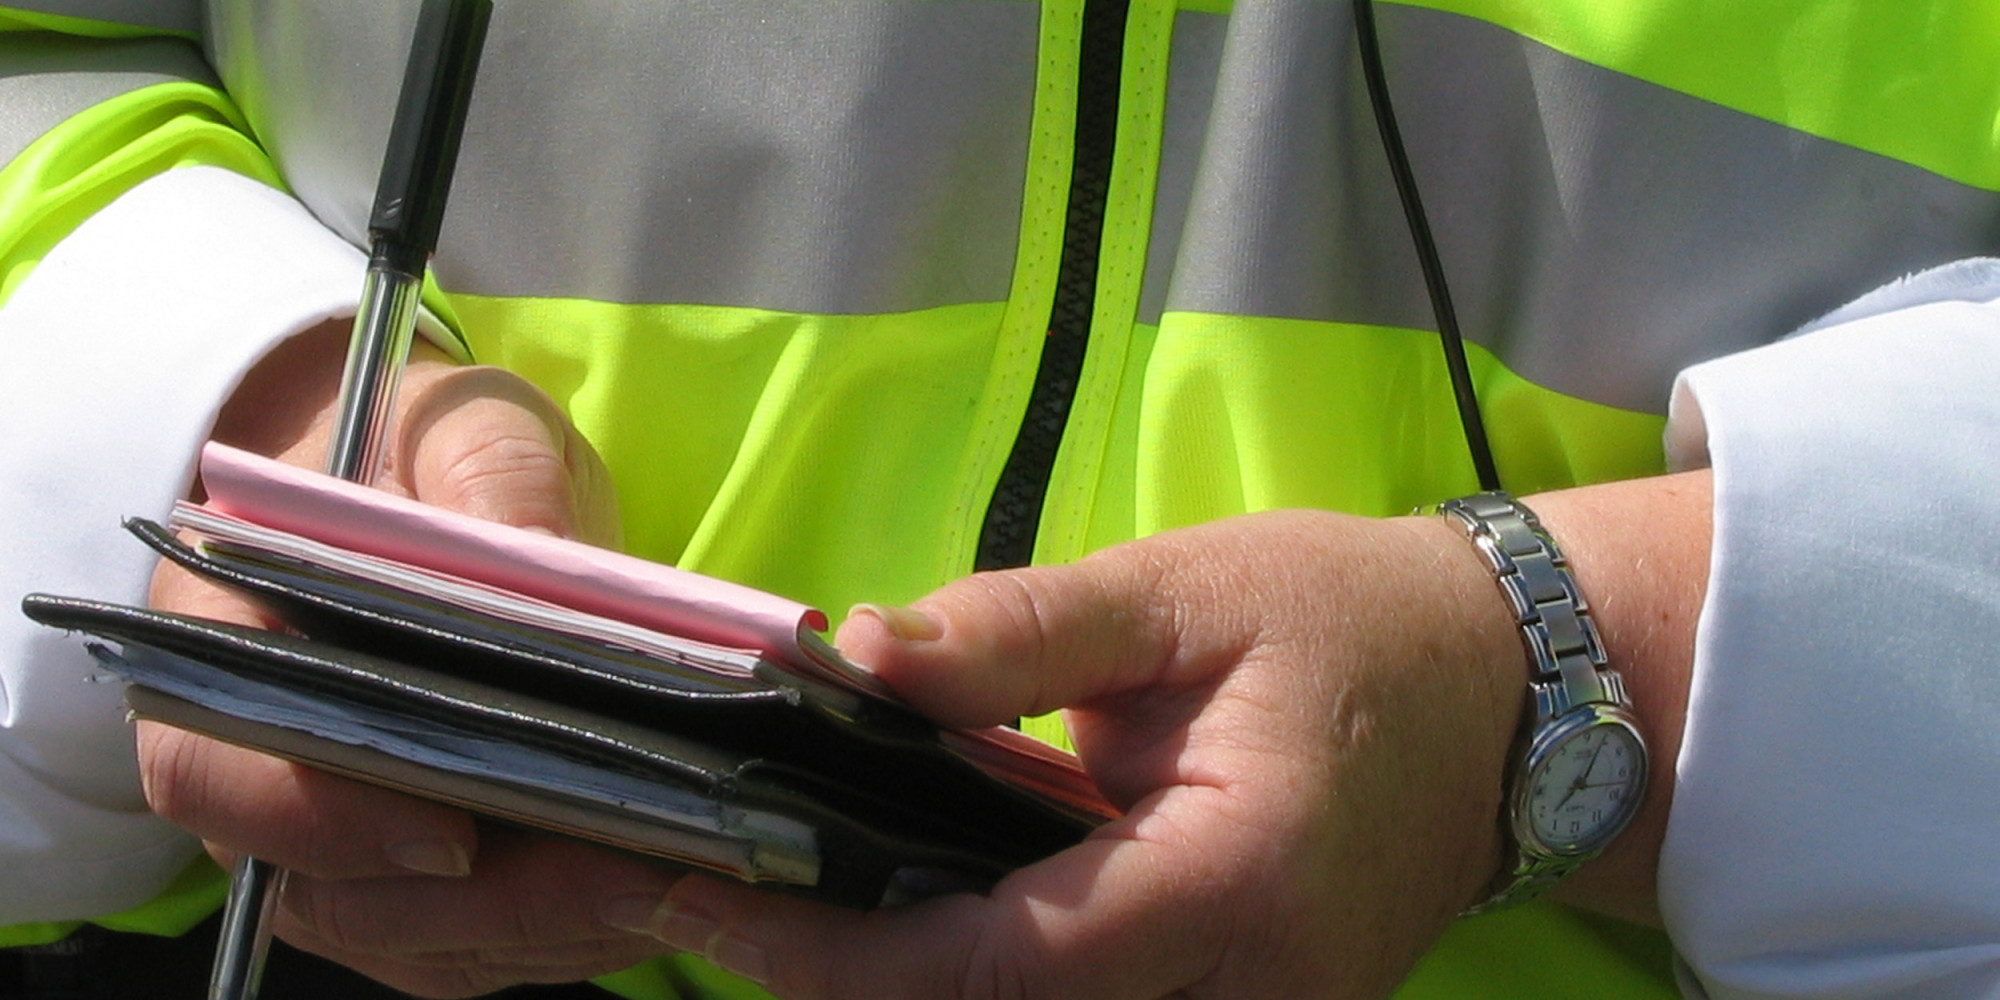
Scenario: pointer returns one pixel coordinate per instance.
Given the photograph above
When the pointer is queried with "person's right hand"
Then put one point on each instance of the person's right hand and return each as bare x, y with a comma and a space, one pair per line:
410, 892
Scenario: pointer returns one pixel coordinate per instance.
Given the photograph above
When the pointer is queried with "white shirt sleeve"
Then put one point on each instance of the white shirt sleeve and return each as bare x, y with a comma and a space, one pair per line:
115, 353
1836, 820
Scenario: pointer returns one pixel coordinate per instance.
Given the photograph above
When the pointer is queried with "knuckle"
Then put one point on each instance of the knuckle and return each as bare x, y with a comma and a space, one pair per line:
323, 851
445, 982
337, 916
520, 909
528, 919
1023, 602
989, 971
517, 478
501, 462
1158, 576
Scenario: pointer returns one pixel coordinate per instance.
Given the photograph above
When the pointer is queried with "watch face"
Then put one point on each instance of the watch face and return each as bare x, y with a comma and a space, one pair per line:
1585, 787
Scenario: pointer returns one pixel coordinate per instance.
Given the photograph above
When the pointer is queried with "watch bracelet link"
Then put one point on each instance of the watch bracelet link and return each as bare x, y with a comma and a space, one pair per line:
1557, 630
1566, 657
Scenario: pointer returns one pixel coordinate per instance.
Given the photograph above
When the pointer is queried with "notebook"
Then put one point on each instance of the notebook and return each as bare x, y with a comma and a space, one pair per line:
546, 683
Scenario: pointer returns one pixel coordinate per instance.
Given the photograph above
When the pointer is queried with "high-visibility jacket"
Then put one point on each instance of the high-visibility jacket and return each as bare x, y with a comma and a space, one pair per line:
854, 298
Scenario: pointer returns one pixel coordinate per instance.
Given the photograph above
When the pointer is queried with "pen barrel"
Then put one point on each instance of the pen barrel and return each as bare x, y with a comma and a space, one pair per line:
403, 228
383, 329
254, 888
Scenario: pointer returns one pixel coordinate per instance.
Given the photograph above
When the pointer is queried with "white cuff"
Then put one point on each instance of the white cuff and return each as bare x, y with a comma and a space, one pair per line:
1835, 815
115, 353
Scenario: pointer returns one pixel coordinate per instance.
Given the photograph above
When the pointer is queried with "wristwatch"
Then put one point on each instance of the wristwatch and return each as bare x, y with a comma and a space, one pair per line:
1578, 770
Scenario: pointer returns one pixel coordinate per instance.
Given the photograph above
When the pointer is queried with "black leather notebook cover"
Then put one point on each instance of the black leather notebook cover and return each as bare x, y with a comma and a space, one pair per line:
764, 774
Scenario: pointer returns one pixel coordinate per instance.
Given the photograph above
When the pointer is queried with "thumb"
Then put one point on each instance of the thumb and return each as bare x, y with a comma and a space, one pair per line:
483, 442
995, 646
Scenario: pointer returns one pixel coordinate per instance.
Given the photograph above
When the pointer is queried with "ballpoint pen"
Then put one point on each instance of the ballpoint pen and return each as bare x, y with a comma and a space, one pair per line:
402, 229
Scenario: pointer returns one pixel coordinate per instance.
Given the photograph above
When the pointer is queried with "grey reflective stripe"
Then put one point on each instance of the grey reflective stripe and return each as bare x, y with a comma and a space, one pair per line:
859, 157
45, 80
1192, 73
1600, 233
1292, 212
171, 15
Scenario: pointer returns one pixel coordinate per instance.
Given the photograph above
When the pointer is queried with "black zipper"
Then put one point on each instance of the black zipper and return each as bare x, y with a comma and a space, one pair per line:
1008, 536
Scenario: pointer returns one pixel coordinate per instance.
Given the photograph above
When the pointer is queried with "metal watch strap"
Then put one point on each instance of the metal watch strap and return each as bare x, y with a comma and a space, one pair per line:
1567, 667
1564, 651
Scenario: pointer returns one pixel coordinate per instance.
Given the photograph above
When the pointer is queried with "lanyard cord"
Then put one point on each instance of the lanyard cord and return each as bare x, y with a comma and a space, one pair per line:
1427, 254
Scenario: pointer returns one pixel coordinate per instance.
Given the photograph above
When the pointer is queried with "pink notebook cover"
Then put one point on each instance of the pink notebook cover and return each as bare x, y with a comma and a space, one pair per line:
584, 577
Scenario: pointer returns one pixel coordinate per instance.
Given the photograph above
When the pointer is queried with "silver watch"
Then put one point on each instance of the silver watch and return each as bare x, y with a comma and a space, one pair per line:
1578, 771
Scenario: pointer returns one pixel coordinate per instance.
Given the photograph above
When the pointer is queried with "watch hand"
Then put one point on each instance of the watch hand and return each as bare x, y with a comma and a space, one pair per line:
1582, 778
1574, 787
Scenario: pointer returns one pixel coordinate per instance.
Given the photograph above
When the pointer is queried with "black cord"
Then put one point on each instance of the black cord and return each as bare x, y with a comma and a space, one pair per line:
1427, 255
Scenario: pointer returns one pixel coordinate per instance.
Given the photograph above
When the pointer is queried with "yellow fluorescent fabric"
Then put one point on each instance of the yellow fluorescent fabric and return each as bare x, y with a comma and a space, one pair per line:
1218, 415
821, 457
1912, 81
832, 459
1547, 952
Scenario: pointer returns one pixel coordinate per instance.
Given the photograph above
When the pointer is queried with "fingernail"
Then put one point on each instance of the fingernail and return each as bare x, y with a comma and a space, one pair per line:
907, 624
431, 857
633, 912
687, 929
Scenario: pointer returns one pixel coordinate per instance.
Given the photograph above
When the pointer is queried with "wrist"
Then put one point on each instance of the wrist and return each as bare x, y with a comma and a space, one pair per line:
1578, 766
1639, 549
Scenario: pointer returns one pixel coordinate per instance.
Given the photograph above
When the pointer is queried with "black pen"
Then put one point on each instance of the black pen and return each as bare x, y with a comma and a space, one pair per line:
402, 232
403, 226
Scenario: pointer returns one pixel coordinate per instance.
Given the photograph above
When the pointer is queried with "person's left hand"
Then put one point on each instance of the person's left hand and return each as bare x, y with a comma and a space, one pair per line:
1310, 769
1306, 718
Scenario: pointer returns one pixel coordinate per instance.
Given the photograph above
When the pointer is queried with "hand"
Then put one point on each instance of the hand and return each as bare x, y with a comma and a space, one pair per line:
1310, 769
407, 891
1306, 718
